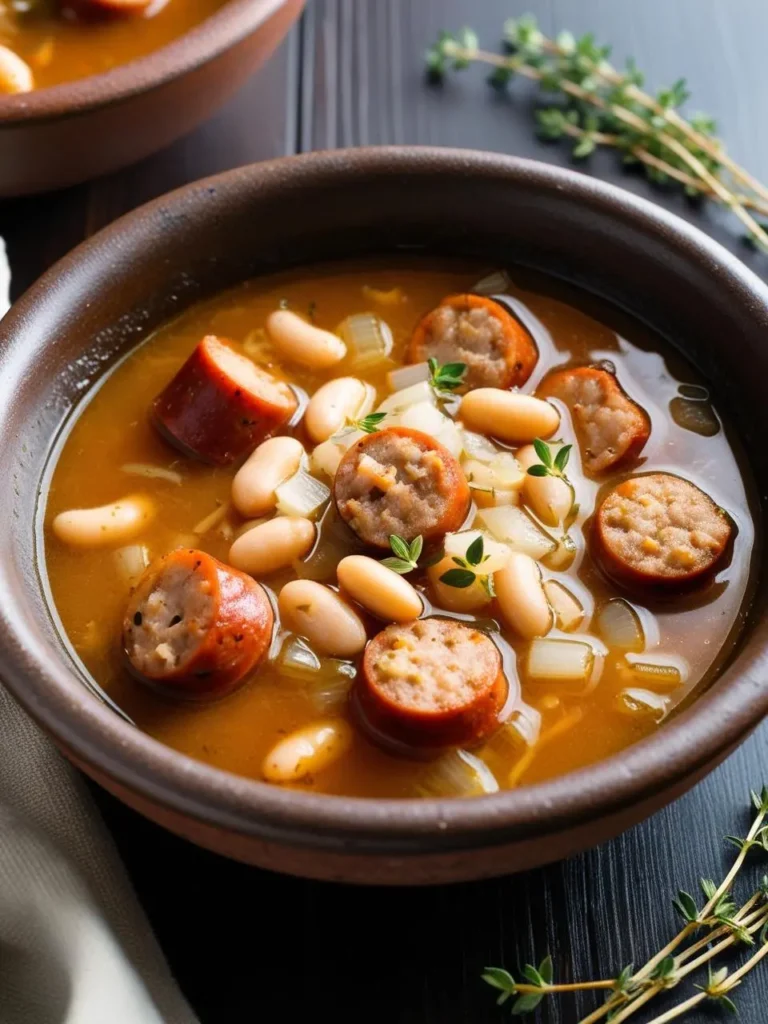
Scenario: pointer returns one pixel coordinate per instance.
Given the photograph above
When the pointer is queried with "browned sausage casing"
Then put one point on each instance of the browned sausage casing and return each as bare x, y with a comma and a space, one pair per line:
612, 429
220, 405
195, 627
430, 683
659, 529
400, 481
479, 332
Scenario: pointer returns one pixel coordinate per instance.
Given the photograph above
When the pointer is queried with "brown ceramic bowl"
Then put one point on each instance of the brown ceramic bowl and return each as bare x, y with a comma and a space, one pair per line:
68, 133
115, 289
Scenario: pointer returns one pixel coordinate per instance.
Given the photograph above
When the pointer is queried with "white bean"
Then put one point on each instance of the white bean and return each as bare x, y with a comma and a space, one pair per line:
307, 751
508, 415
302, 342
334, 403
272, 545
15, 74
383, 592
550, 497
521, 596
105, 525
318, 613
254, 485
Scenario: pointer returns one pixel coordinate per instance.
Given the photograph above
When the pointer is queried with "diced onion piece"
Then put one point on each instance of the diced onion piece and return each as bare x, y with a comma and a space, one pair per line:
398, 402
405, 376
507, 474
496, 283
330, 695
636, 701
367, 337
210, 522
526, 720
325, 458
513, 526
424, 417
559, 660
562, 557
151, 472
458, 773
297, 659
131, 561
521, 730
568, 610
328, 680
391, 297
476, 446
429, 420
302, 495
257, 345
496, 555
619, 625
659, 674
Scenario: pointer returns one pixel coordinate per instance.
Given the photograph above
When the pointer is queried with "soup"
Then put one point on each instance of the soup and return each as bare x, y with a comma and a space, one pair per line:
399, 530
46, 42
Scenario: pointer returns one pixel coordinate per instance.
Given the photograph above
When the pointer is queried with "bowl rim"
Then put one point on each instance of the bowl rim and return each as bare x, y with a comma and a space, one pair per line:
227, 26
53, 694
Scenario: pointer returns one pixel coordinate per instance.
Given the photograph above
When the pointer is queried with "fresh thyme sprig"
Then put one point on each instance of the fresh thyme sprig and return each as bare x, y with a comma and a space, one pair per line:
406, 555
607, 107
549, 464
723, 923
446, 378
368, 424
467, 573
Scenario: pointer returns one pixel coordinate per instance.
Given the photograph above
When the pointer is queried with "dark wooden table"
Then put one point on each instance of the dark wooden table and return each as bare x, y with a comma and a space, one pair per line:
247, 945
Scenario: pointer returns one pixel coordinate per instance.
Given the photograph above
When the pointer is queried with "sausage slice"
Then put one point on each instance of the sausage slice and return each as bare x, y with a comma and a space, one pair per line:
194, 627
430, 683
400, 481
220, 405
612, 429
479, 332
660, 529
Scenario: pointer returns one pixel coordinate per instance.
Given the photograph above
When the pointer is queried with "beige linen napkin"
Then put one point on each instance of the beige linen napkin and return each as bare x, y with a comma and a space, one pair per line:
75, 947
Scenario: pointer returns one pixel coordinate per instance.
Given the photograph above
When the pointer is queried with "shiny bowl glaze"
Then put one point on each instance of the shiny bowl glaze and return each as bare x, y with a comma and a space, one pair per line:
200, 239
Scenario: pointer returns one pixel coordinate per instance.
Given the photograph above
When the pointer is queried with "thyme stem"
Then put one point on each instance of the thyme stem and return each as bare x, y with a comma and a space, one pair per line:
608, 73
712, 951
605, 139
734, 979
680, 1009
575, 986
648, 129
736, 867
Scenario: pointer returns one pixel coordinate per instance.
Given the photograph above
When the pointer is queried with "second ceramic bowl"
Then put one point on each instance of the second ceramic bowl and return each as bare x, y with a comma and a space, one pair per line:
68, 133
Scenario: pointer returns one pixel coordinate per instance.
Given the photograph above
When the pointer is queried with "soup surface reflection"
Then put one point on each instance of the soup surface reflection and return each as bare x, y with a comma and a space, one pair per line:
644, 648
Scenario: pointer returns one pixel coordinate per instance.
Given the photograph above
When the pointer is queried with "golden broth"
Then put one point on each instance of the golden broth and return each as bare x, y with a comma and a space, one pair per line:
696, 630
62, 47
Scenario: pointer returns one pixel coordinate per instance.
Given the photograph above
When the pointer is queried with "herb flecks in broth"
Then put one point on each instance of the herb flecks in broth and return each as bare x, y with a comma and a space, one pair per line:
585, 666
